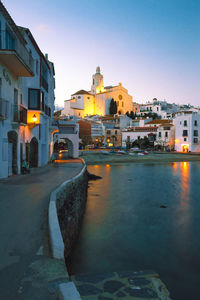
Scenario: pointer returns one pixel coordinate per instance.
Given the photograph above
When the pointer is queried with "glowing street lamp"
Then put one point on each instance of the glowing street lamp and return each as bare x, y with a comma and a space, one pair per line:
34, 118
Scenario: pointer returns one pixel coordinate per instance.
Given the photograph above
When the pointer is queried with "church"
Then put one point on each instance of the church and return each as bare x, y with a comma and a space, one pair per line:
97, 100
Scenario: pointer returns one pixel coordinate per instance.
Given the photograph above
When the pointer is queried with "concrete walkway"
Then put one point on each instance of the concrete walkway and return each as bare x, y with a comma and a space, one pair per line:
26, 270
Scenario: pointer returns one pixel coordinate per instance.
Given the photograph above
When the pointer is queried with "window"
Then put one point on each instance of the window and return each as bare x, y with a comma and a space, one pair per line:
120, 97
195, 140
21, 99
34, 99
42, 101
79, 97
160, 134
10, 41
115, 131
138, 137
117, 103
180, 122
195, 122
166, 128
108, 132
185, 123
185, 139
88, 98
166, 134
195, 132
36, 67
157, 108
185, 133
122, 104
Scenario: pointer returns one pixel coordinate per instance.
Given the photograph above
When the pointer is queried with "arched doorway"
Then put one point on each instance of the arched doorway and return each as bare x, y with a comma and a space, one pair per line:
33, 158
66, 143
12, 152
65, 146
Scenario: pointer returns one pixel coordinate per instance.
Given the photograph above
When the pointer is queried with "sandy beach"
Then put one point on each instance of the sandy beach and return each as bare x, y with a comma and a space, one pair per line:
96, 157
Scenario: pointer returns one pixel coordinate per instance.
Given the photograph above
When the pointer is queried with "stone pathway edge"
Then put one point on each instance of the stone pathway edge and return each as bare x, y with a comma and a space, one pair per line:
67, 290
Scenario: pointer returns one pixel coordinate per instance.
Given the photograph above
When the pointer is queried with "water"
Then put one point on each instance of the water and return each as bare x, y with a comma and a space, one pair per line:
124, 227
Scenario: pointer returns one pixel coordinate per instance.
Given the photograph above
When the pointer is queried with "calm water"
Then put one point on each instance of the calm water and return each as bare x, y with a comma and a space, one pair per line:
125, 229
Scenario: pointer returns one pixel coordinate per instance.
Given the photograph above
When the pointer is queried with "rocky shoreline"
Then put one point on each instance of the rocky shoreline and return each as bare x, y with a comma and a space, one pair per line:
94, 157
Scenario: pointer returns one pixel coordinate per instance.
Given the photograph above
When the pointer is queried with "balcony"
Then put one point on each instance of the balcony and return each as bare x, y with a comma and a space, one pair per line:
16, 57
19, 114
4, 104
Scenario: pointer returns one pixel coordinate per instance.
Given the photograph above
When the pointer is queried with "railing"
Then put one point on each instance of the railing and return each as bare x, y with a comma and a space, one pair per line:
4, 105
19, 114
19, 48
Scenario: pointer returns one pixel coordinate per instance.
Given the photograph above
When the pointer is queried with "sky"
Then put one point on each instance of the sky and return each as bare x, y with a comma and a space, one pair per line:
151, 46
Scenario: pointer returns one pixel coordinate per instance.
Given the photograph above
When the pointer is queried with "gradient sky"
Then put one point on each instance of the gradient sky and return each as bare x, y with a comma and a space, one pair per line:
151, 46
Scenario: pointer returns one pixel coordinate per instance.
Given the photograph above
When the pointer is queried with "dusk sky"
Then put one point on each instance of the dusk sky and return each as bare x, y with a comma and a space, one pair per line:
151, 46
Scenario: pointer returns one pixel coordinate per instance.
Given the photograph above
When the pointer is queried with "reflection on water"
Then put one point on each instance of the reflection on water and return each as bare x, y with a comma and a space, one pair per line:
184, 166
96, 209
124, 227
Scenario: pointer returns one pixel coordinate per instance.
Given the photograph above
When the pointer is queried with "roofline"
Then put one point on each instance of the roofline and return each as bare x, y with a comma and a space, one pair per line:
12, 23
28, 32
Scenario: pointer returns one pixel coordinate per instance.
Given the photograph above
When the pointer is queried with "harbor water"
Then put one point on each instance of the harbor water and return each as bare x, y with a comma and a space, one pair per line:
143, 216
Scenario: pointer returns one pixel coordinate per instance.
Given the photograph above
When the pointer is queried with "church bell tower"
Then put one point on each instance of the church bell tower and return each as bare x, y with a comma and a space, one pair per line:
97, 82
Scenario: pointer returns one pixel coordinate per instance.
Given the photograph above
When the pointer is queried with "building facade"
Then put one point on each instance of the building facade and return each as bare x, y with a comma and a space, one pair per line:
97, 100
187, 131
26, 98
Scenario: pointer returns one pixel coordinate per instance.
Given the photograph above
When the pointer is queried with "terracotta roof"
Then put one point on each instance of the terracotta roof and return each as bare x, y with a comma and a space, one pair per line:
109, 118
81, 92
159, 121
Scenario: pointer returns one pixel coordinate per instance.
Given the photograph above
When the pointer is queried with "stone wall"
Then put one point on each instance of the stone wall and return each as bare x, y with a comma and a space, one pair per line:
71, 201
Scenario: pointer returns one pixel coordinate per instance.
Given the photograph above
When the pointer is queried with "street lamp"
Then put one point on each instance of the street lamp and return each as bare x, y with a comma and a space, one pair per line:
34, 118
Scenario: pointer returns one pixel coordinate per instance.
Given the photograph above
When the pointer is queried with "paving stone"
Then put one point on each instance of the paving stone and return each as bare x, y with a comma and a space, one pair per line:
93, 278
120, 294
141, 293
138, 281
88, 289
112, 286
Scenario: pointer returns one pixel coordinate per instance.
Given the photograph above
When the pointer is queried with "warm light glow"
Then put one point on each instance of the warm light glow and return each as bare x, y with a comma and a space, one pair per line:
110, 144
108, 140
184, 147
100, 90
176, 141
185, 182
108, 166
34, 118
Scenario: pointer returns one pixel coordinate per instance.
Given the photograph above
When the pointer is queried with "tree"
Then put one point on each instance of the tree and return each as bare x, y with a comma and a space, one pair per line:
127, 113
132, 115
113, 107
111, 110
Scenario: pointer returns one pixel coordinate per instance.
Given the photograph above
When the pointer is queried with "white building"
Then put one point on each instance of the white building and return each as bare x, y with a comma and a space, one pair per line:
161, 108
26, 98
187, 131
97, 100
129, 135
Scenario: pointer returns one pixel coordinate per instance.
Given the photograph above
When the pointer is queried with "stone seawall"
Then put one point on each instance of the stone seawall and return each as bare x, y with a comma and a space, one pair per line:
71, 201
